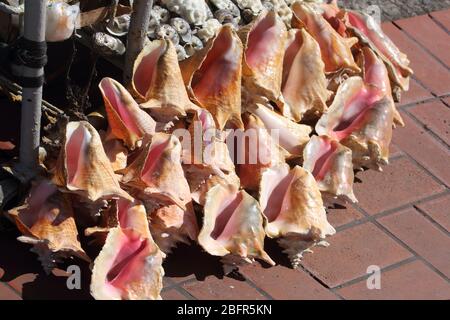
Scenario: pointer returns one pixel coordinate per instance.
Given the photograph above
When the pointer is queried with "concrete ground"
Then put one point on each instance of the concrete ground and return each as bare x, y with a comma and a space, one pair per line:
397, 9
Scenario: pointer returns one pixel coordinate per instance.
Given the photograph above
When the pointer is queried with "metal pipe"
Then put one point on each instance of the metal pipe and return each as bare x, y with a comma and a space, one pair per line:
34, 30
137, 35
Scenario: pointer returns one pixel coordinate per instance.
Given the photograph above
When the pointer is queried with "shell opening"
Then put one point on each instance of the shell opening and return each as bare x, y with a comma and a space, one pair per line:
152, 159
146, 69
225, 216
276, 201
214, 75
76, 148
323, 162
261, 38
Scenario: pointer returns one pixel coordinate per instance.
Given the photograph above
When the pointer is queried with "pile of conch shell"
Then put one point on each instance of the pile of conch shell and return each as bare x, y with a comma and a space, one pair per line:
258, 168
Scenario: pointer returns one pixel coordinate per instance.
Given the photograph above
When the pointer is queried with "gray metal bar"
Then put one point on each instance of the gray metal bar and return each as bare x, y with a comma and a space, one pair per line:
34, 30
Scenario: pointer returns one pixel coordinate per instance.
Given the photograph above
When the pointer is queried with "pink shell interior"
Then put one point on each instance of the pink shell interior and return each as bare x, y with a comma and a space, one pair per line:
146, 70
226, 221
153, 157
113, 94
277, 195
129, 260
217, 70
260, 49
323, 158
76, 148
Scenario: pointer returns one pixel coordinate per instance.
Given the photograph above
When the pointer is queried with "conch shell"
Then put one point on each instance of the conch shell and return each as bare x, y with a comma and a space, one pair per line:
127, 122
233, 226
376, 76
158, 84
264, 44
292, 136
257, 152
157, 175
369, 32
213, 77
360, 118
171, 224
336, 50
331, 165
304, 82
129, 267
83, 167
293, 206
46, 221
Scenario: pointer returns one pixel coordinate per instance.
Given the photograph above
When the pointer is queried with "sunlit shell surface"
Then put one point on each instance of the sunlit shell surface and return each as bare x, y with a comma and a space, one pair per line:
331, 165
376, 76
292, 136
264, 45
233, 225
157, 174
129, 267
257, 152
213, 77
46, 221
335, 49
304, 82
293, 206
126, 120
370, 32
292, 203
158, 83
83, 167
226, 137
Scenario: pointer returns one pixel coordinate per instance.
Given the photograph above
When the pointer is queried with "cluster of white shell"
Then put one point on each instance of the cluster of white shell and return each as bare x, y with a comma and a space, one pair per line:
189, 24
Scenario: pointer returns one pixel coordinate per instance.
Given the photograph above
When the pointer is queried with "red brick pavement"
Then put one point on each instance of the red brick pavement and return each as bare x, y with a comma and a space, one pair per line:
401, 223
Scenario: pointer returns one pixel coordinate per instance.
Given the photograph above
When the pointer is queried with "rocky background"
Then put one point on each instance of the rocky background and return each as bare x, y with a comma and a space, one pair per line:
397, 9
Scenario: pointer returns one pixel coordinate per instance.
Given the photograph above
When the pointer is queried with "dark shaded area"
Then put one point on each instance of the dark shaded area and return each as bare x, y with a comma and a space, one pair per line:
187, 260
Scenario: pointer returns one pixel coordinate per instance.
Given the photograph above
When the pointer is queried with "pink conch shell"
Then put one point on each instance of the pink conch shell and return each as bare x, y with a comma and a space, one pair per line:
360, 118
304, 82
126, 120
293, 206
233, 225
46, 221
292, 136
336, 50
213, 77
369, 31
171, 224
129, 267
264, 43
257, 152
158, 83
376, 76
331, 165
157, 173
83, 167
